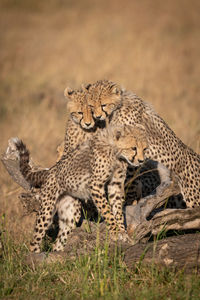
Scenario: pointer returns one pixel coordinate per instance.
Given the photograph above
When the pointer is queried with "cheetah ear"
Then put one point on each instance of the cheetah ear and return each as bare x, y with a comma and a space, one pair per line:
68, 92
115, 89
86, 86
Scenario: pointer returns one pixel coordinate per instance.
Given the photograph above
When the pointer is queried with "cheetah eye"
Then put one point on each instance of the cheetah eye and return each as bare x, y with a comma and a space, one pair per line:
134, 148
112, 106
103, 105
80, 113
91, 107
145, 149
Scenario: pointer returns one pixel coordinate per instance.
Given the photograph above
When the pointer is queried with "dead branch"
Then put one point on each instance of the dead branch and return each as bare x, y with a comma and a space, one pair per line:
169, 219
137, 214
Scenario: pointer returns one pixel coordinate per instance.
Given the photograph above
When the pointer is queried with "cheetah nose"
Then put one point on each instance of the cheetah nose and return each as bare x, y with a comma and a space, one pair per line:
98, 117
87, 124
140, 161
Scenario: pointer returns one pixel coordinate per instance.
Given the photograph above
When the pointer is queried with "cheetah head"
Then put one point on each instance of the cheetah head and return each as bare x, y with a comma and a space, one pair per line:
104, 97
131, 143
78, 108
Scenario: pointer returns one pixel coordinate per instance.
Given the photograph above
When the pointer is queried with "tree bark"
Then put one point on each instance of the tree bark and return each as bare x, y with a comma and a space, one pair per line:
168, 219
177, 252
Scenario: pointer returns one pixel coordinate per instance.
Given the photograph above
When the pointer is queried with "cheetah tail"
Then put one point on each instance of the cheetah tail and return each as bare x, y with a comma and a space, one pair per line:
35, 178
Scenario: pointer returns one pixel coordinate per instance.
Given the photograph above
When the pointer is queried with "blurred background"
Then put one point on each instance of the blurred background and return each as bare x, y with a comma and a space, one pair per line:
151, 47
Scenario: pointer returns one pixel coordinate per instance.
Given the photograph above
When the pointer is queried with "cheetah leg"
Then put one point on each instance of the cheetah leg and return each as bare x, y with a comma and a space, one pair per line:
45, 215
43, 222
69, 213
116, 196
104, 208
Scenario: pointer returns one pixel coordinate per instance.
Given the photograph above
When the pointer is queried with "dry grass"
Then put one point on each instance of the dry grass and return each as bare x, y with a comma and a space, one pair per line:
150, 47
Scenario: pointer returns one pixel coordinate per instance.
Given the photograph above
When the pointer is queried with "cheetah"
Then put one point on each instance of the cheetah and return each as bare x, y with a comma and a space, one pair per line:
103, 98
80, 126
83, 173
80, 122
164, 146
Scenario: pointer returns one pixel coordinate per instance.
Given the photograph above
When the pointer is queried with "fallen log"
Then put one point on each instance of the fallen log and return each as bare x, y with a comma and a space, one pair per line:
137, 214
169, 219
177, 252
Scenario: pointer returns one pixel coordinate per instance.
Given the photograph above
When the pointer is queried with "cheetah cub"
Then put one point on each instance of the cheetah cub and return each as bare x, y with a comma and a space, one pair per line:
80, 126
83, 174
164, 146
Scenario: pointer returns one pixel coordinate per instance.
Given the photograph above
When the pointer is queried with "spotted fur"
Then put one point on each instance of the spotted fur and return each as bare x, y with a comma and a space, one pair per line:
80, 126
164, 146
83, 173
80, 123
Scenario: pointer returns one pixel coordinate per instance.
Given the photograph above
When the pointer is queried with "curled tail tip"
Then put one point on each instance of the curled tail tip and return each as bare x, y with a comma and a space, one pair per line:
15, 145
14, 139
19, 146
12, 142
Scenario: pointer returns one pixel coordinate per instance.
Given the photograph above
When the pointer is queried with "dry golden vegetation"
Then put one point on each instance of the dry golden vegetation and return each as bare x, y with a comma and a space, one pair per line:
149, 47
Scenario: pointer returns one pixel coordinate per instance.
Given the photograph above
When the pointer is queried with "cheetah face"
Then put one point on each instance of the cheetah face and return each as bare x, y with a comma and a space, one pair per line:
134, 156
78, 108
132, 144
104, 97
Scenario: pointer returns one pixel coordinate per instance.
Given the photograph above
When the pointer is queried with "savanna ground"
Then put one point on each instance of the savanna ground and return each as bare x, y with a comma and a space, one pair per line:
150, 47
